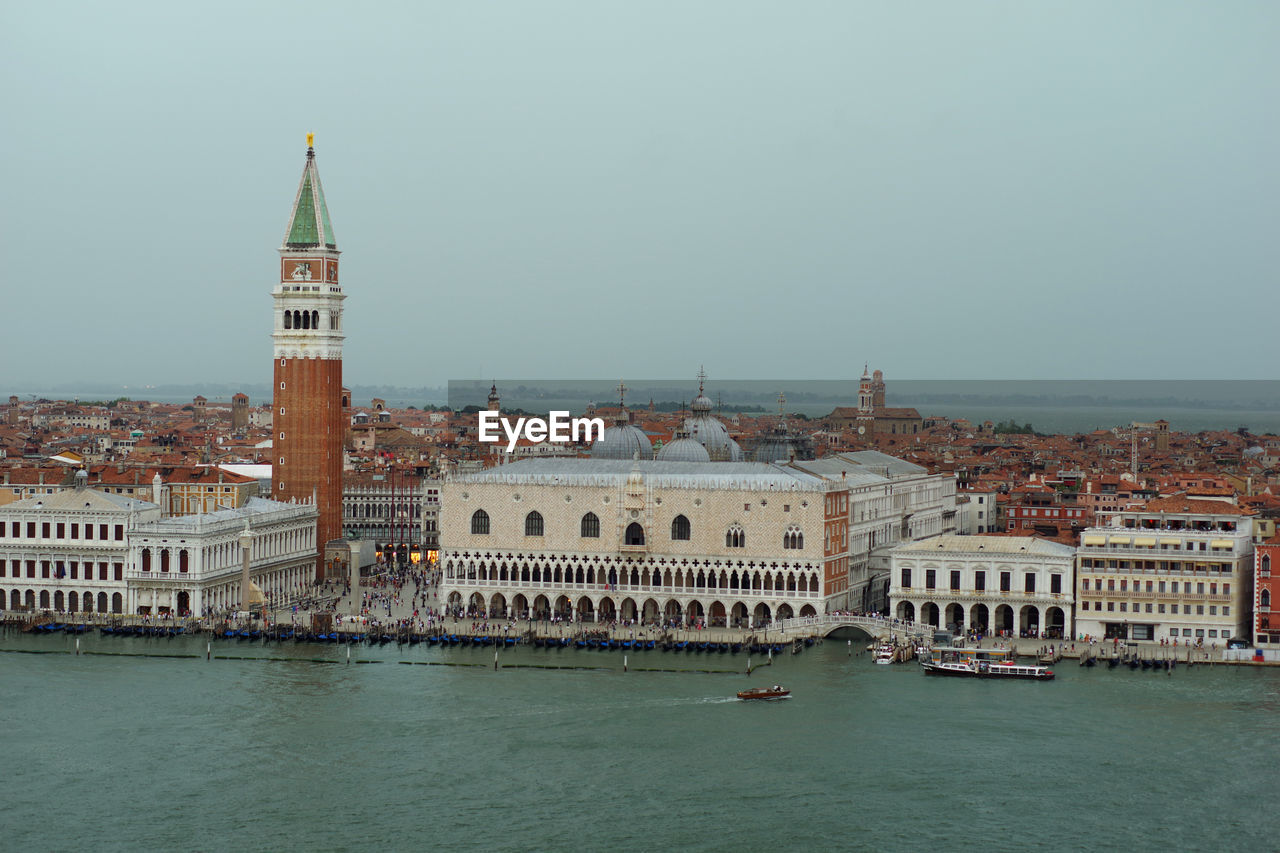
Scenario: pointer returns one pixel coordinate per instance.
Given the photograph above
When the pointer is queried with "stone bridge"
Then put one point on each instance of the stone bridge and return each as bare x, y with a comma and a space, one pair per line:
873, 626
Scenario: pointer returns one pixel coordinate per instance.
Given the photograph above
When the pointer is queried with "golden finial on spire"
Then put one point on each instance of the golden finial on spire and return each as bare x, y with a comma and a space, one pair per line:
311, 140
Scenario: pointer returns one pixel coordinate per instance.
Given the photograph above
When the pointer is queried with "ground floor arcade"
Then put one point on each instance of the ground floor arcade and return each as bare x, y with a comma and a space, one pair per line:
597, 607
1014, 619
184, 597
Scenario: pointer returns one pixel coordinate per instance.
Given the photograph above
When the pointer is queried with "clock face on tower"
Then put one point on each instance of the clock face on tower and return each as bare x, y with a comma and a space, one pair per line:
861, 430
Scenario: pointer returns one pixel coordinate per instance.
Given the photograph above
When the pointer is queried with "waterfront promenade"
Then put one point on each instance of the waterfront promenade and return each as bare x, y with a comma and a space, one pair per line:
401, 607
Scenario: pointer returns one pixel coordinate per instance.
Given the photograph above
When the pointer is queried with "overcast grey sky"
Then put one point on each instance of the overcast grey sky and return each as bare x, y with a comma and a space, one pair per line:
604, 189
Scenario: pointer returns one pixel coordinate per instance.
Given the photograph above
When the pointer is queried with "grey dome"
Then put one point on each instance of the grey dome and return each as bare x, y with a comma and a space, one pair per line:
622, 442
683, 449
779, 449
714, 436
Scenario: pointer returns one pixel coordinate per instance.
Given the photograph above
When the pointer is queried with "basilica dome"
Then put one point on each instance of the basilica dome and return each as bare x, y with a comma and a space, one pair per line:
712, 434
683, 449
708, 431
622, 441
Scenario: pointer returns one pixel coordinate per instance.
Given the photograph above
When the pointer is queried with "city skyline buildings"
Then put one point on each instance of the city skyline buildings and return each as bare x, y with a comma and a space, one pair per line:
1090, 176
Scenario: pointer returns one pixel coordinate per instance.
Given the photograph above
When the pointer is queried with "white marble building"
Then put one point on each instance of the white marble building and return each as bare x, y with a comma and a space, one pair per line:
85, 551
1015, 584
68, 551
722, 542
193, 563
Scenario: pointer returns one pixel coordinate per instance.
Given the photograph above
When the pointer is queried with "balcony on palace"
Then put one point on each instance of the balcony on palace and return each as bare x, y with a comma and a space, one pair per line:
632, 590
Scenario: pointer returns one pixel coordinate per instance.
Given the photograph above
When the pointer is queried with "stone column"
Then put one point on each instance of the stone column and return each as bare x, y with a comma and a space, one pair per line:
353, 570
246, 548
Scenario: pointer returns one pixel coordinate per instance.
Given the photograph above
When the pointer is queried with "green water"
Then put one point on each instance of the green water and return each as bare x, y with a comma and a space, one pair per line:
113, 752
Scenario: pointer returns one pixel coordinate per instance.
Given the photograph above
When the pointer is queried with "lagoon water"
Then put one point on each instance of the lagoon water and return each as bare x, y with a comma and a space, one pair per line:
119, 752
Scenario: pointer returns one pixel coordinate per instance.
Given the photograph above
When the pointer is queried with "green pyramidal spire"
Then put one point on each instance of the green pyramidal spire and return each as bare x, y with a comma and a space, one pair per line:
309, 225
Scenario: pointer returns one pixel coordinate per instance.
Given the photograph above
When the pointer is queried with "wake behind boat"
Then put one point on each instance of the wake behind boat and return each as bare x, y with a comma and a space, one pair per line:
777, 691
981, 663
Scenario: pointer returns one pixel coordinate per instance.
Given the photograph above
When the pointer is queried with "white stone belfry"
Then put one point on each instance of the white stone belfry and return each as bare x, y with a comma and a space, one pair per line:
308, 298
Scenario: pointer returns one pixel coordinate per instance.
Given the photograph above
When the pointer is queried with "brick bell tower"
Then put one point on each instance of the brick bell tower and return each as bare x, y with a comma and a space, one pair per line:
307, 341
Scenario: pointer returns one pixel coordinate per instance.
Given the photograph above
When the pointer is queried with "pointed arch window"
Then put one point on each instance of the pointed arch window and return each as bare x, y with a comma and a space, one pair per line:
533, 525
634, 534
590, 526
480, 523
793, 538
735, 537
680, 528
1266, 599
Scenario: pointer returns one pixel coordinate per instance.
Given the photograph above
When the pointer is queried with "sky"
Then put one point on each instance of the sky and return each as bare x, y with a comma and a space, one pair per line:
986, 190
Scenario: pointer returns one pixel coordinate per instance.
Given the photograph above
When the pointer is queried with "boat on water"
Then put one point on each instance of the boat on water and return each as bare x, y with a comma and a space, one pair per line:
777, 691
883, 653
981, 663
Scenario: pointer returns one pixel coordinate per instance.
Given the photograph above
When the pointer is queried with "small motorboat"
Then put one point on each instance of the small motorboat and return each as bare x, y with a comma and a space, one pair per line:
777, 691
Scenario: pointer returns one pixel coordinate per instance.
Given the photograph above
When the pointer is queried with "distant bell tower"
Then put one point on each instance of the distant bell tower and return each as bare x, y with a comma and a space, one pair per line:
865, 393
240, 412
307, 425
